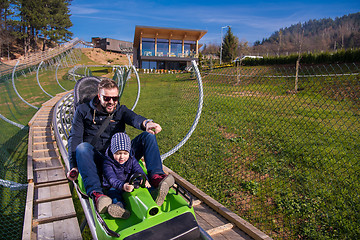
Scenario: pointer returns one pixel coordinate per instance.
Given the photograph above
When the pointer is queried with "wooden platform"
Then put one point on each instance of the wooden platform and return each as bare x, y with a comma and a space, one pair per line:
49, 212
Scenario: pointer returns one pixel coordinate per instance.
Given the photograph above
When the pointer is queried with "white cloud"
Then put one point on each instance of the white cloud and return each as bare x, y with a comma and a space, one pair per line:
81, 10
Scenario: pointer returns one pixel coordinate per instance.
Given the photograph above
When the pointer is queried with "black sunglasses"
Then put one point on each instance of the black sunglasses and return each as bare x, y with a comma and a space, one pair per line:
107, 98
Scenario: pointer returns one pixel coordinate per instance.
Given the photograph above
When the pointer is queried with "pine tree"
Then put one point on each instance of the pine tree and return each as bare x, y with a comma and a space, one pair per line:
5, 27
49, 18
230, 46
58, 22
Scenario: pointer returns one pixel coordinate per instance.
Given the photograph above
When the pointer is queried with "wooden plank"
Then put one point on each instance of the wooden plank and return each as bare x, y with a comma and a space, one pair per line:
210, 216
42, 210
27, 227
54, 218
232, 217
50, 199
234, 233
40, 124
43, 134
44, 147
30, 173
45, 231
52, 211
41, 177
47, 163
48, 184
64, 206
30, 123
48, 168
45, 154
45, 128
220, 229
39, 159
202, 222
51, 175
41, 140
67, 229
196, 202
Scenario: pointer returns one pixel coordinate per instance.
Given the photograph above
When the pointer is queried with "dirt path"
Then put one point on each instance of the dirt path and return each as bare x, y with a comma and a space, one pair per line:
95, 54
102, 57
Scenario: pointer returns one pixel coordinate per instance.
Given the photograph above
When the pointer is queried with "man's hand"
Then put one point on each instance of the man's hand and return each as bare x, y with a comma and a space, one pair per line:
152, 127
73, 174
128, 188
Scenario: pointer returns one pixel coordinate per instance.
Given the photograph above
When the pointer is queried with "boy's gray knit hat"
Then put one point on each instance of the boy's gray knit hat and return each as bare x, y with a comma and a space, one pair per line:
120, 141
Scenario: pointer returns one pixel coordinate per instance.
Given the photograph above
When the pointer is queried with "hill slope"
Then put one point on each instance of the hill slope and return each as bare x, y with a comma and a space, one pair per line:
321, 35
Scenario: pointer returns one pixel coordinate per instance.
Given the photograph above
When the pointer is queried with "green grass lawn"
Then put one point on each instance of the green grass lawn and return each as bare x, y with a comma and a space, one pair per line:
13, 141
287, 163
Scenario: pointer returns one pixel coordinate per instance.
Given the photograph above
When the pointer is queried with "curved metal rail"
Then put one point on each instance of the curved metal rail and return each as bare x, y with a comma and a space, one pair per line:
225, 224
29, 65
37, 78
197, 117
17, 93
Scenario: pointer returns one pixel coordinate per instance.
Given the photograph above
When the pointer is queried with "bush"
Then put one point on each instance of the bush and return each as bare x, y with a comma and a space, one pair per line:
341, 56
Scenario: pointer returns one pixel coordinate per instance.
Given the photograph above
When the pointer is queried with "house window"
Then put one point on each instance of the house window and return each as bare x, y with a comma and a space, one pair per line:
148, 47
161, 65
189, 48
176, 47
162, 47
148, 65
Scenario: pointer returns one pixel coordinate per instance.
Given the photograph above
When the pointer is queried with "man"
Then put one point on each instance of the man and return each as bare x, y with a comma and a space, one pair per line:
87, 150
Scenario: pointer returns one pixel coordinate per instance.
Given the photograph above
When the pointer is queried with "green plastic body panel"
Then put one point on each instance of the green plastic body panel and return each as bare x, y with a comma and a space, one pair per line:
145, 213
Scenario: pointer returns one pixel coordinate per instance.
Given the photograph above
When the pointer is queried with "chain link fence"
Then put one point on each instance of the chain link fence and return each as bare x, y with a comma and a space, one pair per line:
15, 114
291, 157
284, 159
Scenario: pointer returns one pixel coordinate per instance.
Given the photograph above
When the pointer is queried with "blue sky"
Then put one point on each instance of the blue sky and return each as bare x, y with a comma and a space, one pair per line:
249, 20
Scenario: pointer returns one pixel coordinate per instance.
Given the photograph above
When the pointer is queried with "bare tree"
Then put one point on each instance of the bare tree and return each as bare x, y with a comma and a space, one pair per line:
300, 41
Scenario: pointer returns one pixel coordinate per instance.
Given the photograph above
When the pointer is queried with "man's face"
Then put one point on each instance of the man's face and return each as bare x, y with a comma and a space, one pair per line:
108, 99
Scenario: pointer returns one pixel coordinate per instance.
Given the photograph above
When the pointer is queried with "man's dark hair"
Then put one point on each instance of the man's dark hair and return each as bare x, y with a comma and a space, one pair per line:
107, 84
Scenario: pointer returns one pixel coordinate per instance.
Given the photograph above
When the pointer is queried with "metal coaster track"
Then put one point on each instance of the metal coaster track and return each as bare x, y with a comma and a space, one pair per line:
215, 221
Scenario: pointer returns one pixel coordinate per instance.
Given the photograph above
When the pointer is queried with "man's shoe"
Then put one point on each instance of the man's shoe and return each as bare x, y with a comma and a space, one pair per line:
156, 179
101, 201
163, 188
118, 211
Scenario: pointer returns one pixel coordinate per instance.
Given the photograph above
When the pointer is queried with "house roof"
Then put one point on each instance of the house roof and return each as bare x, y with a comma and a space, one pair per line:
167, 33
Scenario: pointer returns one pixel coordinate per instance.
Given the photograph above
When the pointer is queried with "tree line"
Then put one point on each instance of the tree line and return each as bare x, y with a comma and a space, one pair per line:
314, 36
340, 56
26, 23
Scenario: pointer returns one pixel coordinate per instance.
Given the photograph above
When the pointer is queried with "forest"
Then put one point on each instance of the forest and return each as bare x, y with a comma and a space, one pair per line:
313, 36
33, 25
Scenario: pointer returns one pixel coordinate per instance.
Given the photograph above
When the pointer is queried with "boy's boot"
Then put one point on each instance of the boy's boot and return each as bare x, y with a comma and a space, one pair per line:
101, 201
163, 186
117, 210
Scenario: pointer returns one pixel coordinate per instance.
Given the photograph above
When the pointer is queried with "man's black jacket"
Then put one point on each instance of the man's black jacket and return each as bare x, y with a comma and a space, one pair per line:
87, 121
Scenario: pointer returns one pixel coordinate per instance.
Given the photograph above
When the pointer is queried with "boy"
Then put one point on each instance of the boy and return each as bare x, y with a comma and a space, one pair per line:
118, 167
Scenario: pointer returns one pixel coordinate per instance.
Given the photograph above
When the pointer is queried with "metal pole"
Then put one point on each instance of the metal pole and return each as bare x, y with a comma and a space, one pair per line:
221, 40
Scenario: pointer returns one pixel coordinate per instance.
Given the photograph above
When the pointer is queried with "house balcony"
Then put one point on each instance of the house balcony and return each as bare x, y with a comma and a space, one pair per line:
157, 55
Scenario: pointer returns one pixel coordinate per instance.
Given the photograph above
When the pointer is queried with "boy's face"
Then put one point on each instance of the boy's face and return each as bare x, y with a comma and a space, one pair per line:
121, 156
